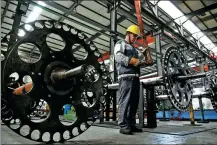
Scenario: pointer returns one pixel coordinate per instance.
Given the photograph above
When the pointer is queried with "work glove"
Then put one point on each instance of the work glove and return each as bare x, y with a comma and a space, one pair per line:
134, 61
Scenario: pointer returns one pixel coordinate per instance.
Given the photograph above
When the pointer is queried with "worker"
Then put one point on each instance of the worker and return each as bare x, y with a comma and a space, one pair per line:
128, 62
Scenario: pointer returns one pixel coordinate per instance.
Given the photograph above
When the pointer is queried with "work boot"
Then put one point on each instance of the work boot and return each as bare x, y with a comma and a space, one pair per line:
136, 129
126, 131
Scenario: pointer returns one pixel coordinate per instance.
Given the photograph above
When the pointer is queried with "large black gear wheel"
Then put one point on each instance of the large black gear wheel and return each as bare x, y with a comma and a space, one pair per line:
175, 64
84, 93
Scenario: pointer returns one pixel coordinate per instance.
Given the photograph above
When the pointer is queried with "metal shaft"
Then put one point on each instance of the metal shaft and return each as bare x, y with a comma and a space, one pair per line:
60, 74
182, 78
153, 81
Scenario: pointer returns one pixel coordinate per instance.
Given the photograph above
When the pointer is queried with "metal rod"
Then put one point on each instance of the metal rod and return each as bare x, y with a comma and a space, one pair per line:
113, 27
201, 108
60, 74
202, 71
153, 81
150, 81
191, 76
141, 106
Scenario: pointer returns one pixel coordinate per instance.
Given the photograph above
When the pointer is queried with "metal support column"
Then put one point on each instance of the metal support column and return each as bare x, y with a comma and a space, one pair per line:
21, 9
114, 108
200, 97
141, 106
158, 51
151, 112
202, 111
17, 19
202, 71
113, 27
164, 112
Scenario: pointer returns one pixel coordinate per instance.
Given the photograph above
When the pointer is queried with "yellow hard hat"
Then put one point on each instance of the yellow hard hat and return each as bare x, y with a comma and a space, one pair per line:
133, 29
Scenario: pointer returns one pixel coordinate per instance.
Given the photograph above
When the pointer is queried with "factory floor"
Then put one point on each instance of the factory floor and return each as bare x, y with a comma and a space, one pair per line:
170, 132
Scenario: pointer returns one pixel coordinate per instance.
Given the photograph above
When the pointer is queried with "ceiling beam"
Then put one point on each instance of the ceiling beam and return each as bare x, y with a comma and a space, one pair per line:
210, 17
202, 10
81, 17
210, 29
5, 10
73, 7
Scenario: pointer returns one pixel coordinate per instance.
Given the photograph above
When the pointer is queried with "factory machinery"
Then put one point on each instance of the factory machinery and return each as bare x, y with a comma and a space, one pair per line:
59, 78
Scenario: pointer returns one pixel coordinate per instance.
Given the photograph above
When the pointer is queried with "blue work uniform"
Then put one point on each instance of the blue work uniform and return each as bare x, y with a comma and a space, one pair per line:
129, 84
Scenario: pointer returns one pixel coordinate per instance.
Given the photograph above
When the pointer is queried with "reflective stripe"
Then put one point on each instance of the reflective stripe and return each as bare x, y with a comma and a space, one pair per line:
128, 75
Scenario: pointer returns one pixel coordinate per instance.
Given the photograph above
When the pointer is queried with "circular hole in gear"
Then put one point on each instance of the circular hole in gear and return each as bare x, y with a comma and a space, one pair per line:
2, 57
66, 28
21, 32
97, 54
88, 99
8, 37
15, 124
46, 137
92, 47
58, 25
104, 91
25, 86
68, 115
74, 31
42, 112
27, 79
48, 24
75, 131
81, 35
92, 74
7, 116
4, 47
3, 104
57, 137
25, 130
103, 68
83, 127
38, 25
102, 99
35, 135
66, 135
29, 53
79, 52
14, 76
55, 42
29, 27
90, 122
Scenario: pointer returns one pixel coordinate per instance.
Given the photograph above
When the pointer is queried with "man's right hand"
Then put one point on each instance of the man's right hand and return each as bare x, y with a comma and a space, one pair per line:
134, 61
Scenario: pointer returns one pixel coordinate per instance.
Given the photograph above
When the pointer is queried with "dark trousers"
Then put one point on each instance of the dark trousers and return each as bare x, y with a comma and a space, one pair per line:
128, 94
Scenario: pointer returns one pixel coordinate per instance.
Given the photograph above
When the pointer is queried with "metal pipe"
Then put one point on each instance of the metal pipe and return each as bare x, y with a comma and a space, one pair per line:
60, 74
153, 81
150, 81
200, 75
202, 71
113, 39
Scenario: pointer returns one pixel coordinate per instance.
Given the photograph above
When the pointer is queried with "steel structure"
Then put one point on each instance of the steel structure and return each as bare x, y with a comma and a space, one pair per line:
103, 25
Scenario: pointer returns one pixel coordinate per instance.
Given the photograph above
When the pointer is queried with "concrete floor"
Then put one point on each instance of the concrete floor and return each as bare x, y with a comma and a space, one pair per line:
206, 134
